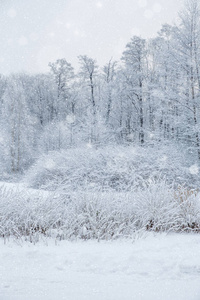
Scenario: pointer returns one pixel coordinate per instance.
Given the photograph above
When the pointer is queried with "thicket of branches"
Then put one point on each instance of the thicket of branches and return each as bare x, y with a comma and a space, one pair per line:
155, 206
110, 169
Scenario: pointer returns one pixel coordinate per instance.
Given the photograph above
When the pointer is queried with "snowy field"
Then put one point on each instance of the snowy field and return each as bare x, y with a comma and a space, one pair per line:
154, 267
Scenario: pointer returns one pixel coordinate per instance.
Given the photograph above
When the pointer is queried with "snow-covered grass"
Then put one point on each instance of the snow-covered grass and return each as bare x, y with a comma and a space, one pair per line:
44, 253
153, 267
102, 216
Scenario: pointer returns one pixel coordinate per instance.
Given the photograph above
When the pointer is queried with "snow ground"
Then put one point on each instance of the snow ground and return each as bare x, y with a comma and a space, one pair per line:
155, 267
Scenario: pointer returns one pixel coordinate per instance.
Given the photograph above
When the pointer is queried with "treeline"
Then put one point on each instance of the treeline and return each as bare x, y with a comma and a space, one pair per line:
151, 97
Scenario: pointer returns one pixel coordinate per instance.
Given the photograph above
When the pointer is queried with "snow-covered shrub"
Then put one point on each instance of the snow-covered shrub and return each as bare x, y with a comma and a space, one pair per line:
188, 203
155, 207
86, 169
101, 215
86, 216
21, 213
108, 169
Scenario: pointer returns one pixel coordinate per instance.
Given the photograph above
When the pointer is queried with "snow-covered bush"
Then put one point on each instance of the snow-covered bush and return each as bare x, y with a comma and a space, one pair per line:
188, 203
108, 169
155, 207
87, 216
102, 215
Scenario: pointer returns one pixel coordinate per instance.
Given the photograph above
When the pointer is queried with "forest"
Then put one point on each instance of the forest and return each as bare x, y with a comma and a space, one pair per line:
149, 100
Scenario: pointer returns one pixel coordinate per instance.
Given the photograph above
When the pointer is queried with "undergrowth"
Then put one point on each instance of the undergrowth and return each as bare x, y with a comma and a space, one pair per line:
155, 206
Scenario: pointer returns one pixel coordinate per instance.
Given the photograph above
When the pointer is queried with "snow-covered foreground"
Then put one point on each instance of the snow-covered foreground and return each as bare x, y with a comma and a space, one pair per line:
155, 267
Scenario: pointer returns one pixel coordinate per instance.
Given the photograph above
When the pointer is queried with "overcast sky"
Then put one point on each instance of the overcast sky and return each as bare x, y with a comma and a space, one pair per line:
35, 32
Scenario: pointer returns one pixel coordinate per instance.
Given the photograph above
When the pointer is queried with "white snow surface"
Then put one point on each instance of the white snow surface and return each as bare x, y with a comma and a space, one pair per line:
154, 267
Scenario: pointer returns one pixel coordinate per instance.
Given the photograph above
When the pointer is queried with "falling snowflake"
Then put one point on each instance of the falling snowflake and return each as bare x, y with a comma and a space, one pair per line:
164, 158
194, 169
1, 139
99, 4
89, 145
151, 135
68, 25
49, 164
70, 119
76, 32
51, 34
